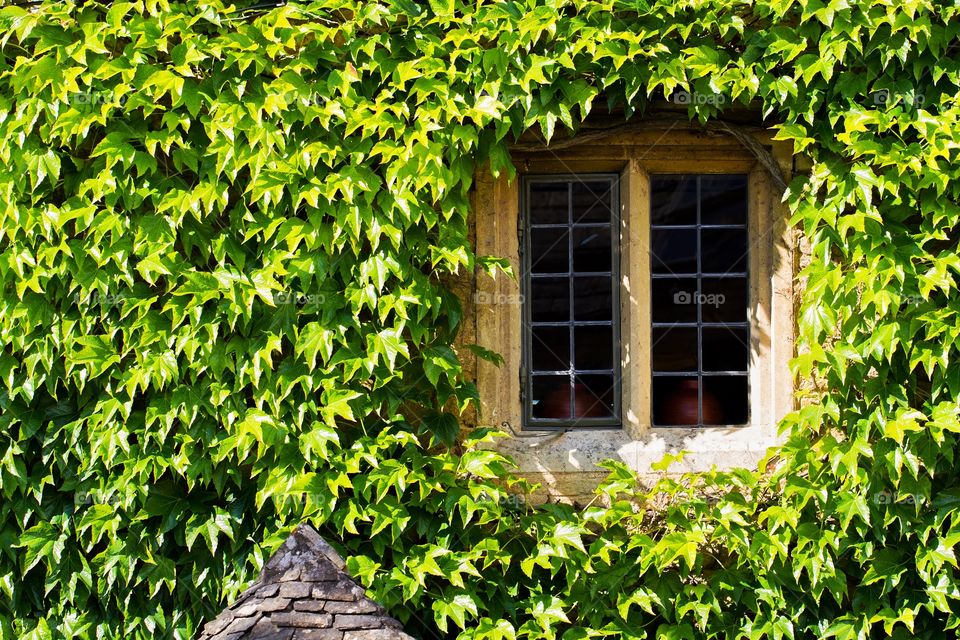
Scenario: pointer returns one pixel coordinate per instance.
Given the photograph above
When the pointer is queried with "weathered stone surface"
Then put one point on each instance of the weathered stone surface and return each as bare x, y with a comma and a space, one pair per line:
361, 606
241, 624
350, 621
376, 634
268, 590
249, 608
325, 572
318, 634
343, 590
304, 593
295, 590
290, 575
217, 625
302, 619
266, 630
325, 548
275, 604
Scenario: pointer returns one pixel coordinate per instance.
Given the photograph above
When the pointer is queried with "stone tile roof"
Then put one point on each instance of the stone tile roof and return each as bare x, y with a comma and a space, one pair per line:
304, 593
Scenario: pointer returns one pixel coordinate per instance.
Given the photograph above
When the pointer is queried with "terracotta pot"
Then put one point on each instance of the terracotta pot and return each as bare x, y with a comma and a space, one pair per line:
585, 404
680, 406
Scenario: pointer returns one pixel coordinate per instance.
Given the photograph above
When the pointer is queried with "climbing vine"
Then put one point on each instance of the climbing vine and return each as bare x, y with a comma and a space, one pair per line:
227, 233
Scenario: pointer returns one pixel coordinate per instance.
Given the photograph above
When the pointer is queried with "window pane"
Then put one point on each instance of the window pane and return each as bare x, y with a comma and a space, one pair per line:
550, 348
572, 231
729, 394
724, 299
707, 301
724, 250
591, 249
674, 300
548, 203
549, 250
674, 251
551, 397
723, 199
725, 349
592, 201
594, 347
593, 396
549, 299
674, 349
673, 200
594, 298
675, 401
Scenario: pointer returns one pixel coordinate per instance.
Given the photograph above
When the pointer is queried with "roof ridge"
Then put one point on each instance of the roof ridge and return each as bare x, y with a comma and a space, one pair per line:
304, 592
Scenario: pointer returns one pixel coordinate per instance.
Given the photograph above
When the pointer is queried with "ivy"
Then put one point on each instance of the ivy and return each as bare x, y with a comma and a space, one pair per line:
227, 240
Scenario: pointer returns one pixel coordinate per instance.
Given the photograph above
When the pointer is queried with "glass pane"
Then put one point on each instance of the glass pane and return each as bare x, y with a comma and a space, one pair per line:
594, 347
550, 348
550, 299
593, 396
676, 401
674, 251
592, 201
673, 200
591, 249
551, 397
723, 199
724, 250
593, 298
674, 349
548, 203
549, 251
674, 300
725, 349
725, 400
724, 299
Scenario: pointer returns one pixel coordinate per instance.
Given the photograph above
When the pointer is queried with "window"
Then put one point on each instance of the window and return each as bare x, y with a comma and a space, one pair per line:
699, 294
691, 217
571, 293
699, 299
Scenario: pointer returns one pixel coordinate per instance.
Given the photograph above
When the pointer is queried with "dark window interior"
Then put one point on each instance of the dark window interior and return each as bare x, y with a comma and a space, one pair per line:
699, 297
571, 336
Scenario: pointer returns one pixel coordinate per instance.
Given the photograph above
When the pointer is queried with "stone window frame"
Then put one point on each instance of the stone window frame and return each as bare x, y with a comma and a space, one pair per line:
551, 457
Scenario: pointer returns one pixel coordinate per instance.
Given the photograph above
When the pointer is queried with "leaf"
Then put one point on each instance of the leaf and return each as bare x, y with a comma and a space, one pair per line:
314, 340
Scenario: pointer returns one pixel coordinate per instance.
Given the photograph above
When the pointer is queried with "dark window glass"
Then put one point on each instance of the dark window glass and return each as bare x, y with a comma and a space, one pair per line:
593, 298
592, 201
549, 252
549, 299
571, 330
723, 251
674, 200
699, 300
723, 199
592, 249
673, 300
673, 251
549, 203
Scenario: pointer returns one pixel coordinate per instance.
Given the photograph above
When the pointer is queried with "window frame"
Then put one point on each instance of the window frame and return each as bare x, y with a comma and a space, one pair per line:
699, 324
565, 463
529, 421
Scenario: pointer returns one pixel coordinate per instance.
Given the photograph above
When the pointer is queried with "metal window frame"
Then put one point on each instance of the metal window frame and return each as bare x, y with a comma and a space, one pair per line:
699, 324
526, 373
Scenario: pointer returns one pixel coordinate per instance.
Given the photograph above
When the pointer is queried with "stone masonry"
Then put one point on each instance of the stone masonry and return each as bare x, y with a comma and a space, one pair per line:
304, 593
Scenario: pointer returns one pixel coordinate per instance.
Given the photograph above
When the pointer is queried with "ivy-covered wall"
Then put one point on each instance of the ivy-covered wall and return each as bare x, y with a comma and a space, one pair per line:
224, 241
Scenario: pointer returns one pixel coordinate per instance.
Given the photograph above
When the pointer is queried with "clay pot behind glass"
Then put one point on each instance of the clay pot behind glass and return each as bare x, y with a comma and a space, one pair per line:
586, 404
680, 406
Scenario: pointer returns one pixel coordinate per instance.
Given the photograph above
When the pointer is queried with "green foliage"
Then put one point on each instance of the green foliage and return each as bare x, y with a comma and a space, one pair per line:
225, 236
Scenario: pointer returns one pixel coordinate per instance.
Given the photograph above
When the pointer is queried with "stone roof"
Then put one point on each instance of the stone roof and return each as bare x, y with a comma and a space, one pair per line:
304, 593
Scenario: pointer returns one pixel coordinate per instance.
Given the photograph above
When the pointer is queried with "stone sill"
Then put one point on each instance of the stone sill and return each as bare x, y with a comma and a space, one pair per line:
576, 453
